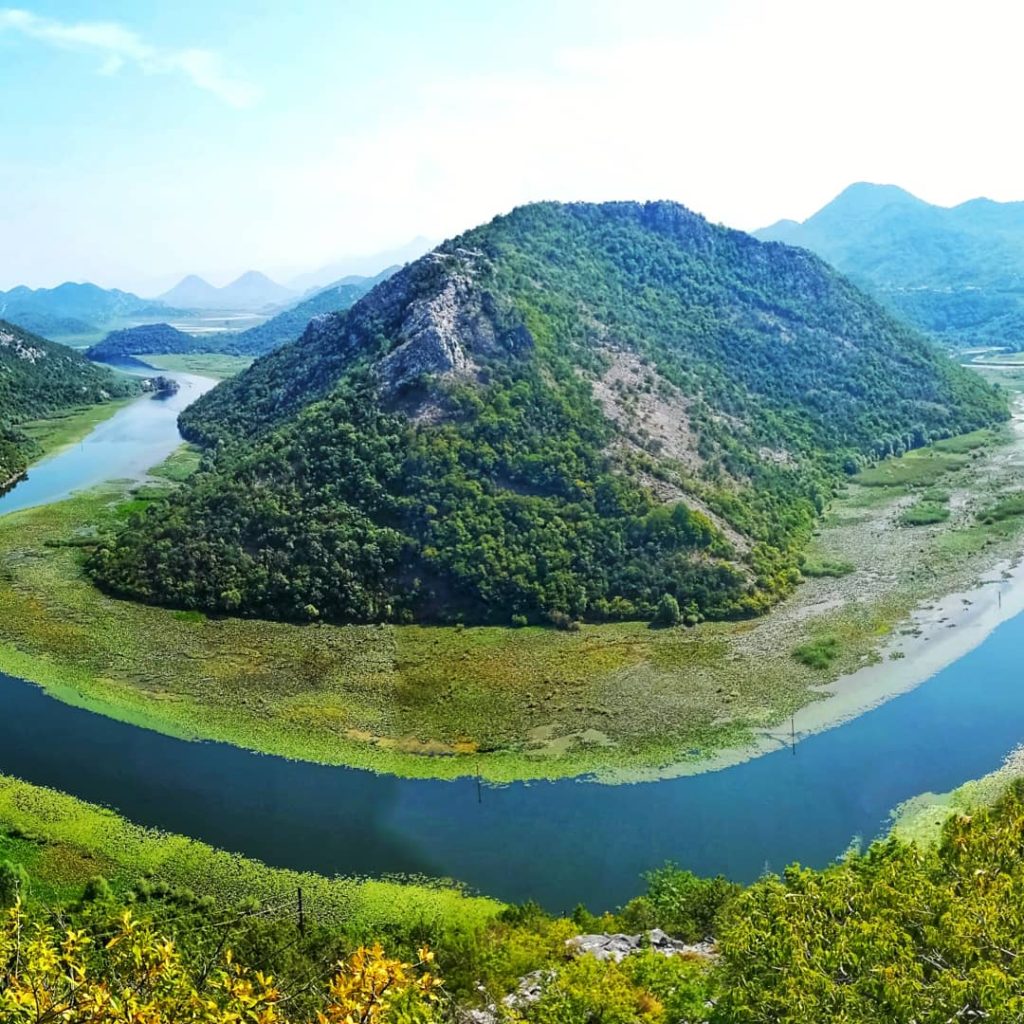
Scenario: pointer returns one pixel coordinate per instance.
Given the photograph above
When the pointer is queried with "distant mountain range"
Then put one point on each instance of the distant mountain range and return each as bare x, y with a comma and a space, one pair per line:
361, 267
251, 291
957, 272
76, 311
73, 308
286, 326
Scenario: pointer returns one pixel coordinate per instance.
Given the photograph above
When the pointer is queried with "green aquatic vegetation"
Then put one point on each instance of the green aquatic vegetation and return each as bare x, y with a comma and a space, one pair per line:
818, 653
69, 842
816, 567
924, 513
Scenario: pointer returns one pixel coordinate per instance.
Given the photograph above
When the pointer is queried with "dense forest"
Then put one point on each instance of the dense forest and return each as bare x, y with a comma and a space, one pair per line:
899, 933
40, 378
957, 272
575, 411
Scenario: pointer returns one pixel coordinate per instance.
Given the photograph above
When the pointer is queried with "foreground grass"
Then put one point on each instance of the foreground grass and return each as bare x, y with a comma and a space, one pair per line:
206, 364
504, 704
63, 842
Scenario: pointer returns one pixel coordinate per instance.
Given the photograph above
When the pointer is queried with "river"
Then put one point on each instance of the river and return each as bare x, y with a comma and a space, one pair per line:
134, 439
559, 843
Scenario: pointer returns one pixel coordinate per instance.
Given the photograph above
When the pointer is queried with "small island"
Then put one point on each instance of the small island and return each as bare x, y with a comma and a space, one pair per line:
161, 386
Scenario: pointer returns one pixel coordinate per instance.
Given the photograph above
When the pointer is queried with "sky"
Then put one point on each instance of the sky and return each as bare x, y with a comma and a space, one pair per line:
143, 140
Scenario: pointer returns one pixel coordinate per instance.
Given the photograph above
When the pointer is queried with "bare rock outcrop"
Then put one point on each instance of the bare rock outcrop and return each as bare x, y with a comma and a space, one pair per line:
604, 946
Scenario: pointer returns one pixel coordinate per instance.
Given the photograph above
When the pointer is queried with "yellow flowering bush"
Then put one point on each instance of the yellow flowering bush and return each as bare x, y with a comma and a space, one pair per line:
60, 975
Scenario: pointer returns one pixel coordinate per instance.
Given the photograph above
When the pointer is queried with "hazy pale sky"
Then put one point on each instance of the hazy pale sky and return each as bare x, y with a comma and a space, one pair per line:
140, 140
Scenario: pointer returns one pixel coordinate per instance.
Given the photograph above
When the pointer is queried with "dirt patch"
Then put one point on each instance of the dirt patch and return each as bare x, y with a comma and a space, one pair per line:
653, 418
650, 411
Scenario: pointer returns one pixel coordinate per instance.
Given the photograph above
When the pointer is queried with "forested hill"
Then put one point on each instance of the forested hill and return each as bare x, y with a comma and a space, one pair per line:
569, 412
153, 339
39, 378
957, 271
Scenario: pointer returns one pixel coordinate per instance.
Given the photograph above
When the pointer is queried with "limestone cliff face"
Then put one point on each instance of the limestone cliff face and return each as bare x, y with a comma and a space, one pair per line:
439, 322
20, 346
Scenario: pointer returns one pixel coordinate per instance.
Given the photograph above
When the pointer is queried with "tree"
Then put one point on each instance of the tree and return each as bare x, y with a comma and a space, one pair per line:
667, 612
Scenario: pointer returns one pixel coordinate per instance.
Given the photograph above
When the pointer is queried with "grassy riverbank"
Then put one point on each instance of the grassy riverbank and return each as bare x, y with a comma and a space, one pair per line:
63, 842
53, 433
921, 819
206, 364
614, 699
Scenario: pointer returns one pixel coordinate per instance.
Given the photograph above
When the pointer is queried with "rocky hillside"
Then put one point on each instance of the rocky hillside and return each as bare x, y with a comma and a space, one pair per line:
40, 378
570, 412
291, 322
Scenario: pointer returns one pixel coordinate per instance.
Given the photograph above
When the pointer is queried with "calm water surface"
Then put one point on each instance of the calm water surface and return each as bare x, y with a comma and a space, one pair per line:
124, 446
556, 842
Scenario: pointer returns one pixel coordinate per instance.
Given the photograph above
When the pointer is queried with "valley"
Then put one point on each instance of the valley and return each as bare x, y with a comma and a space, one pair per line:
619, 700
111, 671
458, 566
854, 697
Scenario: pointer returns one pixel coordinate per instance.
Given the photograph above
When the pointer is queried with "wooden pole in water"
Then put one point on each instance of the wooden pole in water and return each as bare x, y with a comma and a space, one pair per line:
792, 733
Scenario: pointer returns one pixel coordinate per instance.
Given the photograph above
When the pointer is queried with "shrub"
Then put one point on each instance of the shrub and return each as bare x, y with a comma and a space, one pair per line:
97, 890
818, 653
680, 903
667, 612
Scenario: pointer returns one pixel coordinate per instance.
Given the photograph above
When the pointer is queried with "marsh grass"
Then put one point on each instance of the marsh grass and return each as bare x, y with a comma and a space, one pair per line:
206, 364
63, 842
819, 653
817, 567
1008, 507
60, 431
924, 513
